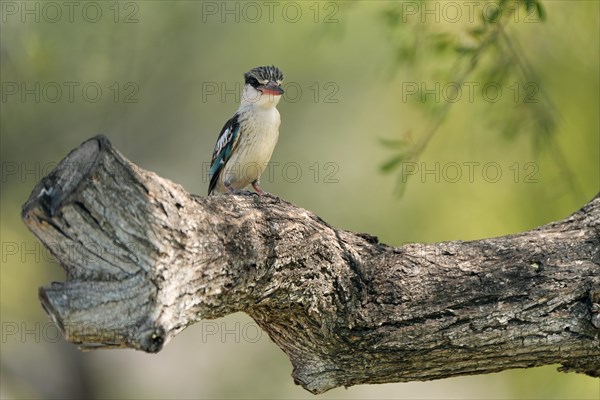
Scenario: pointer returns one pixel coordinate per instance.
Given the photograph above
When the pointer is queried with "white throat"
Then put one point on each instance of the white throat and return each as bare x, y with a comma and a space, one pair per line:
254, 98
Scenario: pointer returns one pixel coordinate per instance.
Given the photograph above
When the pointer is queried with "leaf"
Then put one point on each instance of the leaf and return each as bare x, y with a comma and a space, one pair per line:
477, 31
529, 5
394, 143
492, 16
441, 41
400, 188
536, 7
406, 54
403, 178
390, 164
392, 17
464, 50
540, 11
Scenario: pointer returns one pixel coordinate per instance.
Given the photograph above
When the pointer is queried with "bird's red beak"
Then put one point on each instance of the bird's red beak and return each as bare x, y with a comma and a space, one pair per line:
271, 88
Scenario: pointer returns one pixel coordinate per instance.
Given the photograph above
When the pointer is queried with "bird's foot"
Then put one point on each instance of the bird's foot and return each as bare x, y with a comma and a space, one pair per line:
258, 189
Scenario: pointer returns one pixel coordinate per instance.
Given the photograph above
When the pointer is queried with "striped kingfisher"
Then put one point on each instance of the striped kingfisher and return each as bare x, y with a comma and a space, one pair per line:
247, 140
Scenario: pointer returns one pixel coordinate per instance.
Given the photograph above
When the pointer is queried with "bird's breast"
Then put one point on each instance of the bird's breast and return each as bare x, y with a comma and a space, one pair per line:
258, 137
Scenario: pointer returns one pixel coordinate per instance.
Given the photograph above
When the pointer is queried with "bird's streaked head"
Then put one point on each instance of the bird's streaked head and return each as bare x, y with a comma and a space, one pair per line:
263, 86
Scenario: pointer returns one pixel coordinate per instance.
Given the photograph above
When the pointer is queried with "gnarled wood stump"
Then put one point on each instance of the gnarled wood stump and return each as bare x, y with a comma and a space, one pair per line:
144, 259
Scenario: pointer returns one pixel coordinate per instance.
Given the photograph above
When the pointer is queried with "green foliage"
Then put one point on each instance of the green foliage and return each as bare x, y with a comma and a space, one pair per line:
481, 50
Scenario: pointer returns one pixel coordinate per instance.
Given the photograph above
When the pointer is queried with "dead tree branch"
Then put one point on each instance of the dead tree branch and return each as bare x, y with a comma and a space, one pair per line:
144, 259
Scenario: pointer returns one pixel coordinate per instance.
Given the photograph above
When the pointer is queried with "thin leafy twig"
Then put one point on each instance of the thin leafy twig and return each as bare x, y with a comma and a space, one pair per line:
550, 110
494, 34
419, 147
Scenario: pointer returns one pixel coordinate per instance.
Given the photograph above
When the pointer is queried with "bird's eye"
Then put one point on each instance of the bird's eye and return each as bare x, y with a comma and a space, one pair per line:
253, 81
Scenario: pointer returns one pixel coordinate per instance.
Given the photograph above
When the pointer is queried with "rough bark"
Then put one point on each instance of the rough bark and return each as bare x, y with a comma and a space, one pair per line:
144, 259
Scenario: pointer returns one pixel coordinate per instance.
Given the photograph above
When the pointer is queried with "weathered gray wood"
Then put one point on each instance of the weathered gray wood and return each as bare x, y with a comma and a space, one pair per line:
144, 259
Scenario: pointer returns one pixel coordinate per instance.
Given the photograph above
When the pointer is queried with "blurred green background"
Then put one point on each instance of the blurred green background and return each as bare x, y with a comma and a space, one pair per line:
160, 79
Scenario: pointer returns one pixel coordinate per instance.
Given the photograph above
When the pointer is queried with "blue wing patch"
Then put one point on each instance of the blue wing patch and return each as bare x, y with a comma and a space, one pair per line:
225, 144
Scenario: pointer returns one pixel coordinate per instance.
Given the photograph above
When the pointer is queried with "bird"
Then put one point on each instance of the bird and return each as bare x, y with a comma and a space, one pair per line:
246, 142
